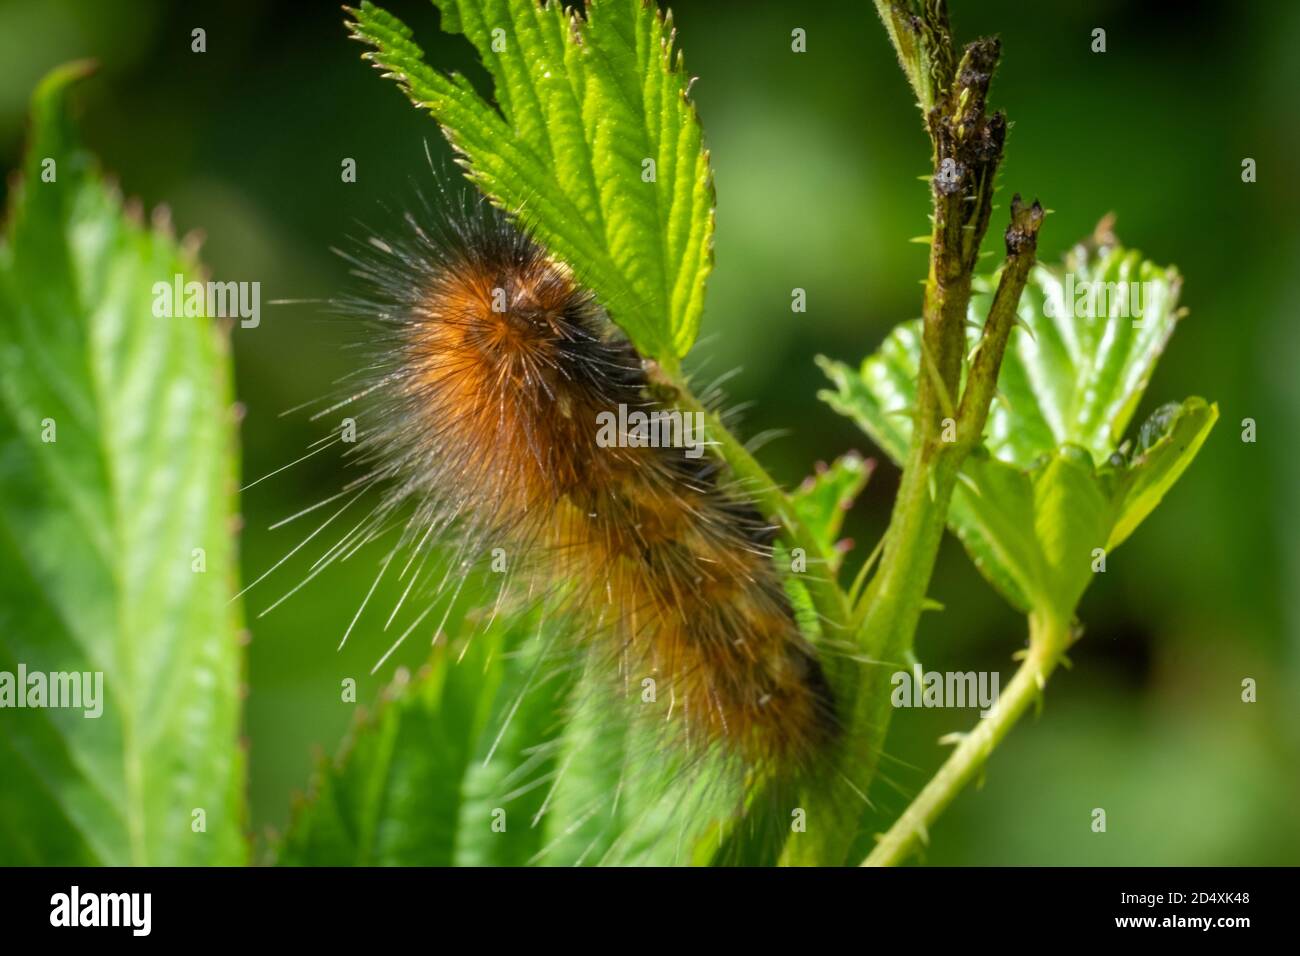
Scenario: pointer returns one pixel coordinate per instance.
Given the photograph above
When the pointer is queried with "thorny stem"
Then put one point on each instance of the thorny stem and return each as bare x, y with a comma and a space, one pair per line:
924, 43
894, 601
967, 151
1022, 239
1049, 637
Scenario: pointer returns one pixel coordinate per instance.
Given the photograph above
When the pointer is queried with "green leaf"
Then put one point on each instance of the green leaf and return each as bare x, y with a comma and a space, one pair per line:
1052, 482
1071, 519
1077, 378
992, 513
497, 731
623, 796
99, 526
449, 758
581, 106
1171, 438
824, 498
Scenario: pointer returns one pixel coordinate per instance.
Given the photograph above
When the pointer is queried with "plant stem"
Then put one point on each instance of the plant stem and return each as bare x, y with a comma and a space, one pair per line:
921, 35
890, 610
981, 385
967, 151
1049, 637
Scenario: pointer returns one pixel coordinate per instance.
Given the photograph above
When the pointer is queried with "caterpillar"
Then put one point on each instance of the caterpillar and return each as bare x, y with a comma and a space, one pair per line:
489, 370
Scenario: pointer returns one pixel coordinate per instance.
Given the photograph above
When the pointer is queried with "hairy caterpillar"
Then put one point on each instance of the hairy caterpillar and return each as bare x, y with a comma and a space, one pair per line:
487, 375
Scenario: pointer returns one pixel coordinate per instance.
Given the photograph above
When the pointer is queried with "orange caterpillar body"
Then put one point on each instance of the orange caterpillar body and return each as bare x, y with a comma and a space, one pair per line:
493, 367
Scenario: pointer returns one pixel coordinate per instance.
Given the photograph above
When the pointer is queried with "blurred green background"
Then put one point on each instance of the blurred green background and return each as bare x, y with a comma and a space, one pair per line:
816, 157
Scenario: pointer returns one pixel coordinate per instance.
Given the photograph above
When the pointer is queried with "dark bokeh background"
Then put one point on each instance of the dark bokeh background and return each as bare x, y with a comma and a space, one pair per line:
817, 158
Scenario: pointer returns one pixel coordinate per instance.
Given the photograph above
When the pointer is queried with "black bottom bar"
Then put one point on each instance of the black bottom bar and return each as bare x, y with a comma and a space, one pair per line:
550, 907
